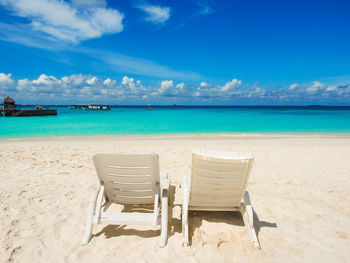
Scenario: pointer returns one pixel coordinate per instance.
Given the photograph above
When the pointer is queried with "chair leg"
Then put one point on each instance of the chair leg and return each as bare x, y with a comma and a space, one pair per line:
89, 222
164, 223
252, 234
250, 230
247, 214
184, 215
185, 239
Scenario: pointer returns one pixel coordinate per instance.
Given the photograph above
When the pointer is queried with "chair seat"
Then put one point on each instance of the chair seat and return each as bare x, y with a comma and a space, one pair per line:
129, 218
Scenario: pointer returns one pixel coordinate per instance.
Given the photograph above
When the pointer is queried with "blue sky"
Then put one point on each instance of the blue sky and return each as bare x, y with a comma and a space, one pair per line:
184, 52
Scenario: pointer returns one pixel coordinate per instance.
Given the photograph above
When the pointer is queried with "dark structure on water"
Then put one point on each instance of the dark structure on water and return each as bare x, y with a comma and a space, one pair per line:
9, 103
10, 109
93, 107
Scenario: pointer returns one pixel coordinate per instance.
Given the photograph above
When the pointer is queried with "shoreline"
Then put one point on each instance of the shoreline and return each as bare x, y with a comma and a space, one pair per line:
174, 136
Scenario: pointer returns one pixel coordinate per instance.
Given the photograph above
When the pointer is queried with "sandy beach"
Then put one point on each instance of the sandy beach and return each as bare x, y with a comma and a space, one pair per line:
299, 188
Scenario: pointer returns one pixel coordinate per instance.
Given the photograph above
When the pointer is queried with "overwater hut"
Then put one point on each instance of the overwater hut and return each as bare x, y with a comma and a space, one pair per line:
9, 103
10, 110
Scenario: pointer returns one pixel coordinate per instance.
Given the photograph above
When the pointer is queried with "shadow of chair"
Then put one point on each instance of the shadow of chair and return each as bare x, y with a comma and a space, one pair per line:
258, 224
232, 217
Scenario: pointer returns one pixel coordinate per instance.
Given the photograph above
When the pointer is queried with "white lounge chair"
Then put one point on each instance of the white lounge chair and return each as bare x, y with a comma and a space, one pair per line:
129, 179
218, 183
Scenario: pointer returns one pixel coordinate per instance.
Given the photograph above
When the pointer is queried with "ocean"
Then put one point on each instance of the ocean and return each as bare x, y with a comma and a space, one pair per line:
180, 119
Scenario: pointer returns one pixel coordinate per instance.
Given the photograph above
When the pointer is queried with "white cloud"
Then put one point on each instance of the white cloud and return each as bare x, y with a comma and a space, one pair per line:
56, 24
45, 80
316, 86
129, 88
155, 14
166, 84
204, 8
61, 21
91, 81
73, 87
128, 82
226, 91
43, 85
332, 88
6, 82
86, 91
88, 3
104, 91
180, 88
78, 87
107, 81
293, 86
231, 85
165, 88
74, 80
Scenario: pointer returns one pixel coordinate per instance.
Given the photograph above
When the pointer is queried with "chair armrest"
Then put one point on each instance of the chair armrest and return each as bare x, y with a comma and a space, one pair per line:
185, 187
164, 187
156, 199
98, 204
185, 190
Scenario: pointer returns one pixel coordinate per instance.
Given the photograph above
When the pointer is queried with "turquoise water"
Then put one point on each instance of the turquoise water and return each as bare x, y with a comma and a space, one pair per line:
162, 120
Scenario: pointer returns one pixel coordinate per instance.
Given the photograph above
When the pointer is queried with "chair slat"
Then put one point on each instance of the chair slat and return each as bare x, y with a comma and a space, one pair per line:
131, 186
132, 200
216, 180
128, 171
132, 193
219, 173
129, 179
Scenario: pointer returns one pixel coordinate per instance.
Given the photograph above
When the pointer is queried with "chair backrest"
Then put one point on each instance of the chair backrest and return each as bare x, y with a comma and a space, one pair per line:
219, 179
128, 178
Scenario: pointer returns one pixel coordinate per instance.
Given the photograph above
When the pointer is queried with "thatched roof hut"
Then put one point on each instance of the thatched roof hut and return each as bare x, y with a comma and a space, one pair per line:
9, 100
9, 103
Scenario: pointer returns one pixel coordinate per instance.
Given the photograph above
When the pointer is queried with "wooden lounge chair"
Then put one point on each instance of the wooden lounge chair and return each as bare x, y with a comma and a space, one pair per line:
129, 179
218, 183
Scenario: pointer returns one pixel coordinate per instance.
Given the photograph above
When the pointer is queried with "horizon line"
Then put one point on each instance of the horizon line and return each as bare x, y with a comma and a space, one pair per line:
183, 105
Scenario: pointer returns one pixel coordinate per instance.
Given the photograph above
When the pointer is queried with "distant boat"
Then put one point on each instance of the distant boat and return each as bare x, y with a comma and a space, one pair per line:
90, 107
98, 107
149, 107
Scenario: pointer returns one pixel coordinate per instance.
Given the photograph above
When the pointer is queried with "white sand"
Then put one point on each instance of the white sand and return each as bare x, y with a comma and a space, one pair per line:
299, 187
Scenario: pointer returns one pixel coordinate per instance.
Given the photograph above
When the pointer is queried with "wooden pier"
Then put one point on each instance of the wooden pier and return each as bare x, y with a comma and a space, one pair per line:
10, 110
